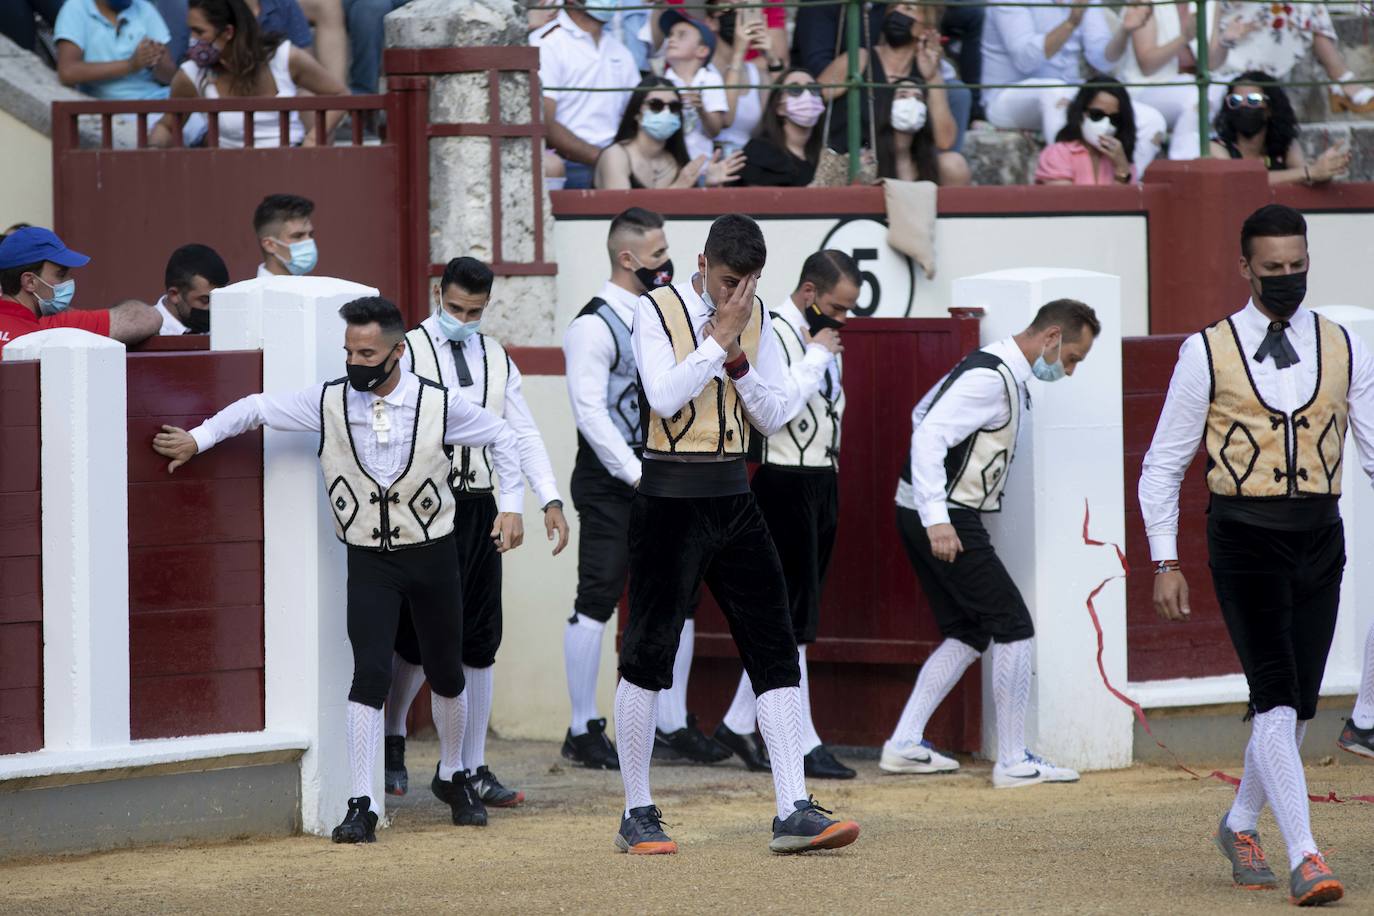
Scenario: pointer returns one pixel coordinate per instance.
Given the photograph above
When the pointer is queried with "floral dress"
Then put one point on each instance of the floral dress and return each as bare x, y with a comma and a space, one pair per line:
1283, 38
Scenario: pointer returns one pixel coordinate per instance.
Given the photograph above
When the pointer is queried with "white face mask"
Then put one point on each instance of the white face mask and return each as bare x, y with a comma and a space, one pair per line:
1094, 131
908, 115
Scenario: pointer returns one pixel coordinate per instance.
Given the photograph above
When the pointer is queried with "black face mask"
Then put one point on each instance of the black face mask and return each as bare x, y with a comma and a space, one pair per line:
198, 322
897, 29
1247, 122
1282, 294
652, 278
818, 321
725, 27
365, 378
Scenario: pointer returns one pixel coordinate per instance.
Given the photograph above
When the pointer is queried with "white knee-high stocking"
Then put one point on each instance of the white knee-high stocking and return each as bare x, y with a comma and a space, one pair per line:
582, 661
780, 720
1011, 682
478, 691
672, 703
406, 681
742, 715
450, 716
1285, 783
364, 738
634, 741
936, 679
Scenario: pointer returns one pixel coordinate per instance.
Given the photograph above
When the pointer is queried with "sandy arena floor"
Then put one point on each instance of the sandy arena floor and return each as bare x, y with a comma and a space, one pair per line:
1135, 841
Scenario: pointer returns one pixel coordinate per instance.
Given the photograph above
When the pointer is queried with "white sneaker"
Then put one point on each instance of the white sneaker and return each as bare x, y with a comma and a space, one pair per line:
915, 758
1030, 771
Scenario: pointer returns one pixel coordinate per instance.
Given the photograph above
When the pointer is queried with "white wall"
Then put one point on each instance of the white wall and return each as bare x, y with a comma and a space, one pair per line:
26, 192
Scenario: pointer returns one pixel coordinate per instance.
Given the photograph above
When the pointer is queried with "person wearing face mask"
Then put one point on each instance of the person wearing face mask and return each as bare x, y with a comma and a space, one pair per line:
114, 49
1270, 392
385, 444
286, 235
964, 435
1256, 121
797, 486
1097, 143
650, 148
711, 372
193, 273
37, 290
449, 349
787, 143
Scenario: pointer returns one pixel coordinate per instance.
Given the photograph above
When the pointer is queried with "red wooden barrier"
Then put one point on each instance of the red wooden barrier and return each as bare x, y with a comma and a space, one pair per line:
195, 553
21, 562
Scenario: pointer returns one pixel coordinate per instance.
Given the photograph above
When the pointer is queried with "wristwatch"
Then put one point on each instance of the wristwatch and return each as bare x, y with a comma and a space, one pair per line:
553, 504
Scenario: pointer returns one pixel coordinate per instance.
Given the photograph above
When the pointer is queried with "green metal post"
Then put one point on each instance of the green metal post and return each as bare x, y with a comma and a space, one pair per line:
853, 23
1204, 74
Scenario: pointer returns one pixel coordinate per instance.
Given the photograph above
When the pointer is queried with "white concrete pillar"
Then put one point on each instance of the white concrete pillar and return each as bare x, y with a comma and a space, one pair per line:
85, 476
1070, 450
308, 661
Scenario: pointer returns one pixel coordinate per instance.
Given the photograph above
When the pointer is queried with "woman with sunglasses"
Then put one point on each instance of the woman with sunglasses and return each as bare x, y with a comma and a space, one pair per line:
650, 151
1256, 121
787, 144
1097, 144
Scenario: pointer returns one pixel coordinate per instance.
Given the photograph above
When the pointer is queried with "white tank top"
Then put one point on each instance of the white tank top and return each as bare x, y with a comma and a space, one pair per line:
1166, 30
266, 124
748, 112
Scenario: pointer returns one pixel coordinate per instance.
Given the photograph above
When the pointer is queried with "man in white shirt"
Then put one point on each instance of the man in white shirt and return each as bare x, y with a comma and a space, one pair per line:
448, 349
384, 436
1270, 392
286, 235
710, 373
797, 485
687, 53
963, 439
577, 52
193, 273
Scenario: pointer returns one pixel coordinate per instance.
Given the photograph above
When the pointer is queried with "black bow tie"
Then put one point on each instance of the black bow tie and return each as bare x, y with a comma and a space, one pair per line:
1277, 345
460, 362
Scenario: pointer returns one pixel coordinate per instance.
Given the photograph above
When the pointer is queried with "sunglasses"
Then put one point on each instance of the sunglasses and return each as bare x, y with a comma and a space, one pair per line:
657, 105
1249, 100
1097, 114
799, 89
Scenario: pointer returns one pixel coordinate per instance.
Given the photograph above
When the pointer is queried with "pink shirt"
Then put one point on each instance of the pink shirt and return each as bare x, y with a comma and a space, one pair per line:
1071, 161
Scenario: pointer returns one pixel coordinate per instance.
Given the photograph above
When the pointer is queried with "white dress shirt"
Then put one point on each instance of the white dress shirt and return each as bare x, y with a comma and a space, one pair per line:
712, 100
264, 272
171, 326
977, 400
588, 354
569, 56
534, 458
384, 461
1014, 45
811, 372
1183, 422
765, 390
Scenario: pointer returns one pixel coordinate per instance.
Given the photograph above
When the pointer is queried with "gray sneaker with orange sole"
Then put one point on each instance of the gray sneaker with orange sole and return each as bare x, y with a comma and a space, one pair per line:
1312, 883
808, 829
1248, 866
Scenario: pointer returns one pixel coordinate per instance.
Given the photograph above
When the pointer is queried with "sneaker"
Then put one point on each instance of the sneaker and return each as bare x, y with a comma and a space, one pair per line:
689, 744
749, 748
808, 828
492, 793
819, 763
593, 749
641, 834
1028, 772
1356, 740
1248, 866
461, 796
397, 779
919, 757
1312, 883
360, 824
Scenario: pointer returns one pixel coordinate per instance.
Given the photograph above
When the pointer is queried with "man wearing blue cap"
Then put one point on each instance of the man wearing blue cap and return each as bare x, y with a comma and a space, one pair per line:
36, 291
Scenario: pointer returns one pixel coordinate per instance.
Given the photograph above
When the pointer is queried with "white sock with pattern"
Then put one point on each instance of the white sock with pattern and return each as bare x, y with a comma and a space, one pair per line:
1363, 714
672, 703
634, 741
936, 679
1249, 800
1011, 684
478, 690
364, 739
742, 715
582, 661
406, 681
1285, 783
450, 715
810, 740
780, 720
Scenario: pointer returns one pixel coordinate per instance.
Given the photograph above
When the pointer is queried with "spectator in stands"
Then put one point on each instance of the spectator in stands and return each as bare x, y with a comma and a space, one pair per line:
818, 36
773, 18
1041, 47
912, 136
286, 235
366, 34
231, 58
1097, 141
1160, 38
1256, 121
650, 149
113, 49
173, 13
687, 53
36, 292
17, 20
577, 50
738, 38
788, 142
193, 273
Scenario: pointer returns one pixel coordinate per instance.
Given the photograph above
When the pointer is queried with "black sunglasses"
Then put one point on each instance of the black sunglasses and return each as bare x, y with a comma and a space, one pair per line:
657, 105
1248, 100
1097, 114
799, 89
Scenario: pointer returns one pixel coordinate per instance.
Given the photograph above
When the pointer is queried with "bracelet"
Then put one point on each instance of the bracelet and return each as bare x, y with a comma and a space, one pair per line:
776, 66
1167, 566
738, 367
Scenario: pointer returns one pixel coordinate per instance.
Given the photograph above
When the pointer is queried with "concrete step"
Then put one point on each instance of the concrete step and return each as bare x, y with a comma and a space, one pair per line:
1001, 157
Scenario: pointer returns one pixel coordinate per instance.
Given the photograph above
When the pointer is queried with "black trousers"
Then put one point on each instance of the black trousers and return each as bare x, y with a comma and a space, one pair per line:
379, 584
974, 598
603, 542
802, 510
1279, 592
675, 544
479, 573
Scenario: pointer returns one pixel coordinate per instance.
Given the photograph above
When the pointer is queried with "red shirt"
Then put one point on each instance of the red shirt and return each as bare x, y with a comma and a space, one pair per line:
16, 321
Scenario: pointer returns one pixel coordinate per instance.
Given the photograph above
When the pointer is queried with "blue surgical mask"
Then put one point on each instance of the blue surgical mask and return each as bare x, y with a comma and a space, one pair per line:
660, 124
1046, 371
61, 298
454, 329
602, 11
304, 255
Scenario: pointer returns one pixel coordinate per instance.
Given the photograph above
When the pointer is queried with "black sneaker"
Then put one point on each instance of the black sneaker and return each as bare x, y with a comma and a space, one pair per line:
808, 828
360, 824
491, 792
460, 795
1356, 740
641, 834
749, 748
592, 750
821, 764
688, 743
397, 779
